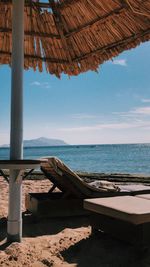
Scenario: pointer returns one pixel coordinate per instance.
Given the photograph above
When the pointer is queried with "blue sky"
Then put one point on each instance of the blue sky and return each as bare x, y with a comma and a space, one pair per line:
111, 106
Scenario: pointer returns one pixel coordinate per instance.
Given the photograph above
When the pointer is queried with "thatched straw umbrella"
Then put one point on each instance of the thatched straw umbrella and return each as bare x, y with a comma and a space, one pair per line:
68, 36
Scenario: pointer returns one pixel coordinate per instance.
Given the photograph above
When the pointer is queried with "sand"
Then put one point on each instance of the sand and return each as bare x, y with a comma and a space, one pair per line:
61, 241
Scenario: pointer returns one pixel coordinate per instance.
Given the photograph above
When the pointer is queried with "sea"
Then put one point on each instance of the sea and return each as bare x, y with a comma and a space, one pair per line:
121, 158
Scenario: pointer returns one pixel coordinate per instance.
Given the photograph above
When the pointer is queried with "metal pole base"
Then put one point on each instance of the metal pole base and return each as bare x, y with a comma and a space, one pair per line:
11, 231
14, 224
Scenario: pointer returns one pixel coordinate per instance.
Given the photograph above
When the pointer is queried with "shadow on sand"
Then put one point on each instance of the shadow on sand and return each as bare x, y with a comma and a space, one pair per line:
33, 226
3, 234
3, 228
103, 251
99, 250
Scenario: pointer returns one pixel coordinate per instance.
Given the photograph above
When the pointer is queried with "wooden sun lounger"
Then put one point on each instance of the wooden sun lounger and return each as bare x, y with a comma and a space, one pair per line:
71, 184
126, 217
69, 201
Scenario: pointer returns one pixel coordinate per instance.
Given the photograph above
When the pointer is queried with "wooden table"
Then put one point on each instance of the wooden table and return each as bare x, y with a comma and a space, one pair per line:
16, 175
20, 165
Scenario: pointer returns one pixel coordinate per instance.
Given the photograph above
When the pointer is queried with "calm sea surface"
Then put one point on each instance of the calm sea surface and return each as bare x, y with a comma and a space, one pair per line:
127, 158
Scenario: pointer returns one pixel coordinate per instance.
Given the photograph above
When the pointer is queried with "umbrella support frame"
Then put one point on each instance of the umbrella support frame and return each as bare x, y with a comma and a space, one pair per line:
14, 226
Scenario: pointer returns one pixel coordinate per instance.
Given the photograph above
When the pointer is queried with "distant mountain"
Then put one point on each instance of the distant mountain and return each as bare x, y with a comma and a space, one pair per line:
42, 141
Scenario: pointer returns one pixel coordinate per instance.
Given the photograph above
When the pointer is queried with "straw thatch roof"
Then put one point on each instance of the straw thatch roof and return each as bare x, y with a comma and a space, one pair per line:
74, 36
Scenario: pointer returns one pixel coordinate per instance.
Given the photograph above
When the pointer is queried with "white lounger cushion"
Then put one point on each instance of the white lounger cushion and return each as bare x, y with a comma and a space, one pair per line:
145, 196
127, 208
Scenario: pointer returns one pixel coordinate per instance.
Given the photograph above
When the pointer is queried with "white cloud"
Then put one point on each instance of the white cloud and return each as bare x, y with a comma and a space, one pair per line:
132, 119
112, 126
35, 83
134, 114
124, 131
121, 62
83, 116
118, 127
145, 100
44, 85
142, 111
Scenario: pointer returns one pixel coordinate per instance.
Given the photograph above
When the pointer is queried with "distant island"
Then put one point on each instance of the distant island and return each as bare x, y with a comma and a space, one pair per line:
42, 141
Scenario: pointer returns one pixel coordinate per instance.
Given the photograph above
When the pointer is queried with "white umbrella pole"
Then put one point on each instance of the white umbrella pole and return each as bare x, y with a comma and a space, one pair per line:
14, 228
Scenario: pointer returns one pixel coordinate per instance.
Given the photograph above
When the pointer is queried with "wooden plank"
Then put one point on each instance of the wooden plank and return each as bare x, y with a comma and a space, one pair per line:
138, 235
53, 205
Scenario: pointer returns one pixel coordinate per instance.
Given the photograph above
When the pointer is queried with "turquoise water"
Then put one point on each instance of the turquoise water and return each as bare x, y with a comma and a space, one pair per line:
127, 158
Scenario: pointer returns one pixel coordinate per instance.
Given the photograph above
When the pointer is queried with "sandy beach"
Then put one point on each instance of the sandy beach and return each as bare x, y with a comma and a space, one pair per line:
61, 241
75, 87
